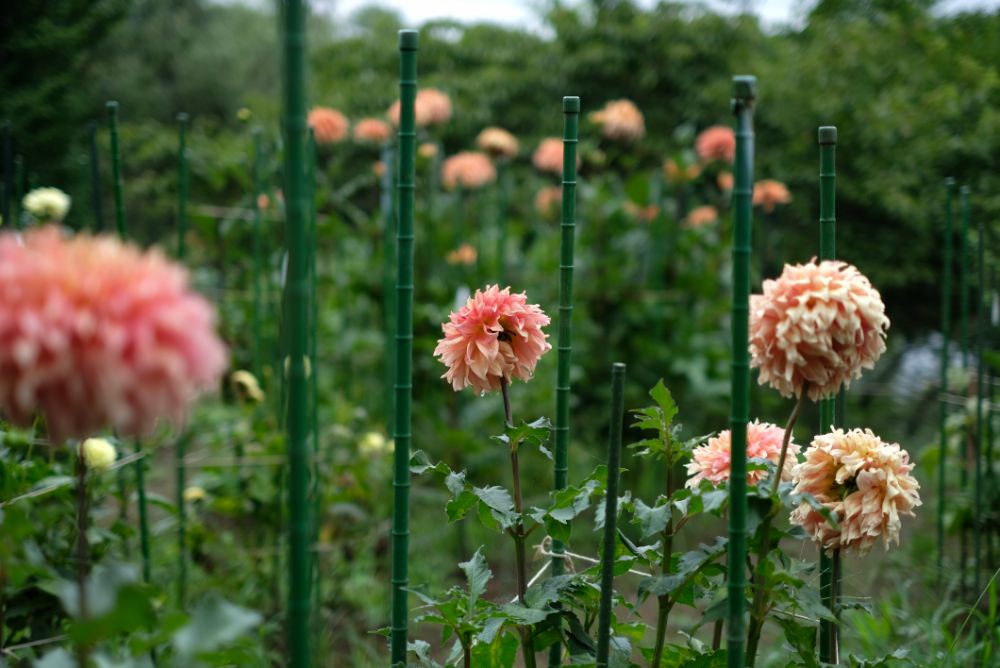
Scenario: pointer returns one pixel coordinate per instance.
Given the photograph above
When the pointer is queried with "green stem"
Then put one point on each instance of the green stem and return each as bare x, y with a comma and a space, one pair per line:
140, 487
258, 251
942, 402
666, 566
963, 323
97, 200
181, 449
82, 553
116, 169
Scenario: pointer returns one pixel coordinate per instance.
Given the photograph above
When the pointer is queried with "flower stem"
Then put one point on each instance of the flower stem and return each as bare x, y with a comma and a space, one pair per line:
82, 552
527, 642
758, 611
663, 601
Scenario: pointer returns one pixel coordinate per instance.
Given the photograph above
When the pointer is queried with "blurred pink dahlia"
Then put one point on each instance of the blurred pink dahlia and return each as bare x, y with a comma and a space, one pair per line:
700, 216
548, 200
548, 157
711, 461
372, 130
431, 107
620, 120
768, 194
328, 125
468, 169
96, 334
864, 481
495, 335
498, 143
716, 143
819, 324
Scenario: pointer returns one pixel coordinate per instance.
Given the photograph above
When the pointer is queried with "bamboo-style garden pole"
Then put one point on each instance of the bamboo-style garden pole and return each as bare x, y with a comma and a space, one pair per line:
571, 122
408, 42
296, 324
963, 328
982, 311
946, 271
140, 465
20, 188
97, 198
611, 513
181, 449
386, 204
827, 136
744, 92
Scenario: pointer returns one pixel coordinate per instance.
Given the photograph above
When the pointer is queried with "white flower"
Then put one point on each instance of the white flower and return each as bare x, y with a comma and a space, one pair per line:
373, 443
47, 204
194, 493
98, 454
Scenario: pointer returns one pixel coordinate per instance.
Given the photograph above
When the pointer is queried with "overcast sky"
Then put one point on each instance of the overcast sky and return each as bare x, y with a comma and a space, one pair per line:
524, 13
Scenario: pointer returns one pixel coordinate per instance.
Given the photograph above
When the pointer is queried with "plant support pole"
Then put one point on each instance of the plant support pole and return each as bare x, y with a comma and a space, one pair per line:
95, 179
963, 328
571, 112
946, 271
408, 41
386, 201
181, 449
744, 92
982, 315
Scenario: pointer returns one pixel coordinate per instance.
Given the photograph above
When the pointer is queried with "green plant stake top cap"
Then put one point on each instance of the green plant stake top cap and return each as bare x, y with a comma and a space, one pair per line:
828, 134
745, 87
949, 182
965, 190
112, 106
571, 104
182, 117
408, 40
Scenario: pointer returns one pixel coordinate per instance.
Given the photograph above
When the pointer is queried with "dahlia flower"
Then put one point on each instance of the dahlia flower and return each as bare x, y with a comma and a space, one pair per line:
372, 129
464, 254
498, 143
373, 443
645, 214
620, 120
496, 335
677, 174
467, 169
701, 216
768, 194
548, 200
329, 125
96, 334
427, 150
725, 181
819, 324
431, 107
548, 157
864, 481
48, 205
711, 461
716, 143
98, 453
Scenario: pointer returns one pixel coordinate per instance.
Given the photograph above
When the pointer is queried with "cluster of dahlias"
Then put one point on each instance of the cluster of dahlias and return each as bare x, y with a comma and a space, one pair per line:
468, 169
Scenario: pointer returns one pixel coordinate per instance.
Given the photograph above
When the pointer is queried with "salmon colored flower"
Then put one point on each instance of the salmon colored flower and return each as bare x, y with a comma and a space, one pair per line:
372, 130
498, 143
819, 324
865, 482
700, 216
496, 335
467, 169
677, 174
329, 125
712, 461
464, 254
96, 334
620, 120
548, 200
431, 107
548, 157
645, 214
263, 201
725, 181
768, 194
378, 168
427, 150
716, 143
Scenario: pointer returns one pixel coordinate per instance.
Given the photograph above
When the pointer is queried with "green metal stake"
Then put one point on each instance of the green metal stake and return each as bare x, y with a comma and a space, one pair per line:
408, 41
386, 201
827, 407
744, 92
297, 322
571, 122
610, 513
946, 272
19, 190
181, 450
95, 179
258, 263
313, 385
963, 325
8, 174
981, 318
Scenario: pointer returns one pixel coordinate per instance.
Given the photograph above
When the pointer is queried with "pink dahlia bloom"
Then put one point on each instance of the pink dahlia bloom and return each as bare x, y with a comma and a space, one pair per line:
328, 125
548, 157
716, 143
548, 200
819, 324
95, 334
495, 335
431, 107
864, 481
768, 194
468, 169
700, 216
620, 120
372, 130
498, 143
711, 461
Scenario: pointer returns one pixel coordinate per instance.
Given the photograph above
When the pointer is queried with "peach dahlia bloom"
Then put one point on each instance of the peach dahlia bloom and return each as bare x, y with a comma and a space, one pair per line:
372, 129
329, 125
496, 335
768, 194
819, 324
677, 174
712, 461
548, 200
498, 143
431, 107
96, 334
548, 157
700, 216
864, 481
716, 143
468, 169
465, 254
620, 120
